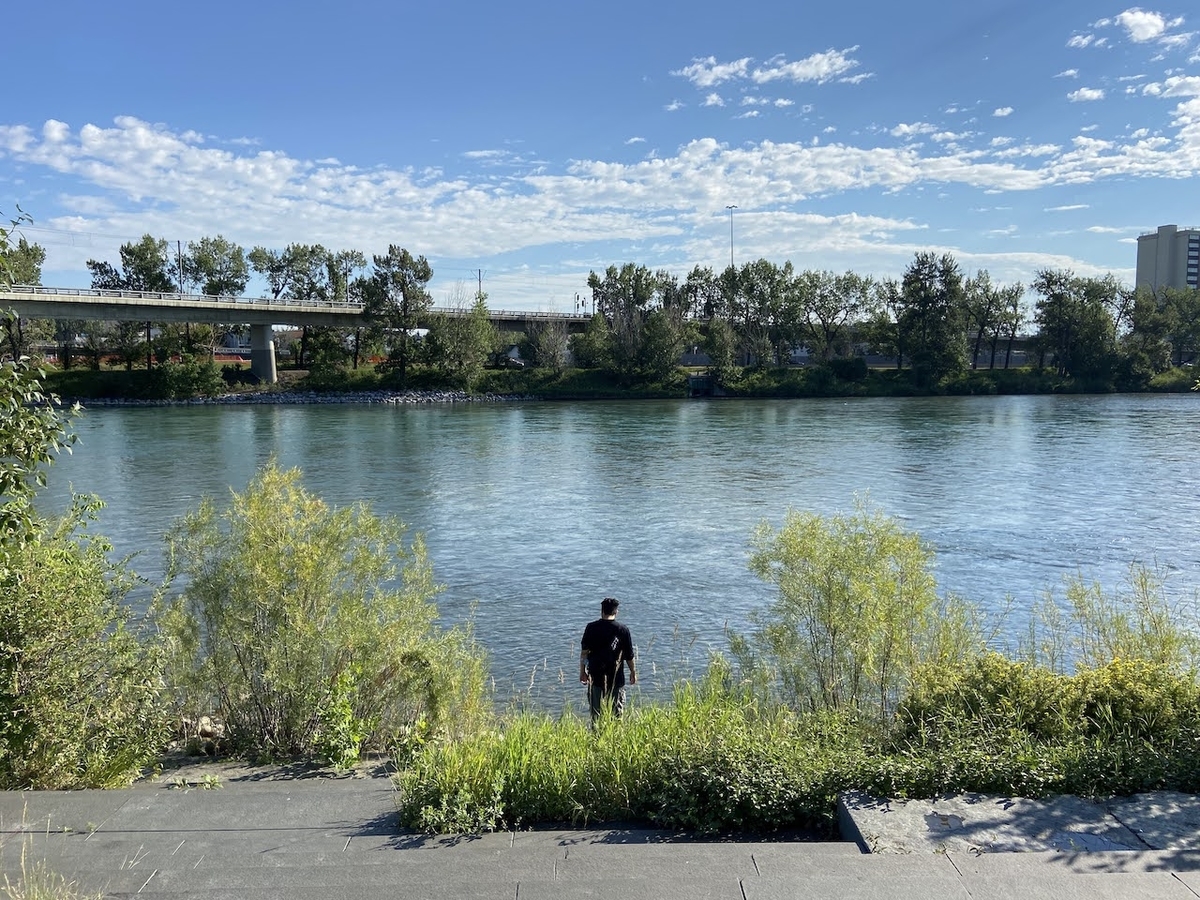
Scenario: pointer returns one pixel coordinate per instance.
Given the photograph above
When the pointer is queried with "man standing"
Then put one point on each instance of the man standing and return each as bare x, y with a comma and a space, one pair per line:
607, 647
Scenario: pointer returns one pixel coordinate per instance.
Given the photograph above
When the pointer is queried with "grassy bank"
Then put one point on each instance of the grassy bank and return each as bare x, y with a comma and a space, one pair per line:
716, 760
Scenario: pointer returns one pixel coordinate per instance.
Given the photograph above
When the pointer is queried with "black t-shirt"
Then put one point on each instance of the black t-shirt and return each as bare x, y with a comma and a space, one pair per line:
609, 645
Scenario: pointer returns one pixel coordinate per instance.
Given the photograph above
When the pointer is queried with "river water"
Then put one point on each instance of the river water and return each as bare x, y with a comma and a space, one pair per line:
532, 512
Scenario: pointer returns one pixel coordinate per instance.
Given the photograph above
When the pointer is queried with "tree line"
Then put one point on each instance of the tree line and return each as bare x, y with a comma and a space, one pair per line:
934, 321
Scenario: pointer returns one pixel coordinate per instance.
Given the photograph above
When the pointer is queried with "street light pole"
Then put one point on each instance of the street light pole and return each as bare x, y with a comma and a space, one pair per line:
731, 208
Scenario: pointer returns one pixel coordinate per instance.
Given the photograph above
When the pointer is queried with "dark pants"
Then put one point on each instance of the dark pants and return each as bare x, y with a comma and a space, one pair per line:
601, 695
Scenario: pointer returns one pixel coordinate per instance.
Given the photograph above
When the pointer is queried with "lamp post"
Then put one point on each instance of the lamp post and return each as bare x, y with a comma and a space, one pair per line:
731, 208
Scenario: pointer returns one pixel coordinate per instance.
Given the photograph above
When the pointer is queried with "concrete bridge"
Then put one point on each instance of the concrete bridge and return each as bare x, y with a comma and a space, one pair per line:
260, 313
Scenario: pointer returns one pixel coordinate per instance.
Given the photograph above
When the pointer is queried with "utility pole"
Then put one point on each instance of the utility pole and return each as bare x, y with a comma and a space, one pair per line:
731, 208
479, 293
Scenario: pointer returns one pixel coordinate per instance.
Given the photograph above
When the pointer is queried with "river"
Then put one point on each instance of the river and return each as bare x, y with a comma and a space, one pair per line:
532, 512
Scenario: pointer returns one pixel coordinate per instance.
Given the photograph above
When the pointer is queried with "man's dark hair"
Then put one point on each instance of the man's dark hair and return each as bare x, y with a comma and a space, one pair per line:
609, 605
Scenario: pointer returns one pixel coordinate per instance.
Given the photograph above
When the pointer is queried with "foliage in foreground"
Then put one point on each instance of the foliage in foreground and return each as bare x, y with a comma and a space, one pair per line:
79, 690
716, 761
287, 630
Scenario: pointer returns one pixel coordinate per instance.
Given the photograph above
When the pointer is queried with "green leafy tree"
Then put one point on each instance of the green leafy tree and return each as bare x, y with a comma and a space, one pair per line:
1185, 322
546, 345
461, 342
592, 349
857, 615
1145, 349
624, 297
720, 344
23, 261
1075, 322
145, 266
830, 306
931, 320
312, 630
217, 266
395, 301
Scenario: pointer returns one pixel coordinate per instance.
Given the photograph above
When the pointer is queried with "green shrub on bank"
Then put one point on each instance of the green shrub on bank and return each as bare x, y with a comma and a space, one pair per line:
80, 693
312, 631
710, 761
714, 760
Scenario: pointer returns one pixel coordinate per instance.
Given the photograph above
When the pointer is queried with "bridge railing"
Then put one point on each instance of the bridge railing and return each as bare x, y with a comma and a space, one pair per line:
210, 300
207, 299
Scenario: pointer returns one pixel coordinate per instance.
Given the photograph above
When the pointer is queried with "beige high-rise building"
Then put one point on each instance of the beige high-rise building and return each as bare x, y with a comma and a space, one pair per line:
1169, 257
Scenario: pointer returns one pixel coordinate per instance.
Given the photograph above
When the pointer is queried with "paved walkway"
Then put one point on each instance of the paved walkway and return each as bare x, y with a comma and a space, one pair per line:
261, 838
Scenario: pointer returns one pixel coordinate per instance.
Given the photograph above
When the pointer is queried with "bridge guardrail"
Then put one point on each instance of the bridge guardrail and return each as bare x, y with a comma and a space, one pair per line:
285, 302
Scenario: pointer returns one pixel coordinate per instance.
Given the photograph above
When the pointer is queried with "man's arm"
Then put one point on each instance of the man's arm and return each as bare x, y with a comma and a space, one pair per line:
632, 671
583, 672
629, 656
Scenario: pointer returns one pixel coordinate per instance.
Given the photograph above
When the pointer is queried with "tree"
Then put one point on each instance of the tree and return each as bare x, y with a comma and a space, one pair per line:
217, 266
931, 323
144, 267
332, 646
592, 349
624, 297
546, 343
1185, 322
460, 342
720, 344
24, 264
1075, 323
1145, 349
396, 300
857, 615
830, 305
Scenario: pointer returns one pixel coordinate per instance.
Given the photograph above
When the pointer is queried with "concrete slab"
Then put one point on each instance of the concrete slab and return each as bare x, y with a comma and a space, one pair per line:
43, 811
437, 890
670, 866
983, 824
1163, 820
356, 810
1081, 887
1055, 863
337, 878
639, 888
856, 887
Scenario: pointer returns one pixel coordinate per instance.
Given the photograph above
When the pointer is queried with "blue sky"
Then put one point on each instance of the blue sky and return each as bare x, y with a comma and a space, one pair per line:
538, 141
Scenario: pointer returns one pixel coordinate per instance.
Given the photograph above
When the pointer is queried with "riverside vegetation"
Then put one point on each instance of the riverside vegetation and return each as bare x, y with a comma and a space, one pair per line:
312, 632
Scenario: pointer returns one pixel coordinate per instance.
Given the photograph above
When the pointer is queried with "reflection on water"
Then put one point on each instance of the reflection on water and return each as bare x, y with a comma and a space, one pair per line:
533, 512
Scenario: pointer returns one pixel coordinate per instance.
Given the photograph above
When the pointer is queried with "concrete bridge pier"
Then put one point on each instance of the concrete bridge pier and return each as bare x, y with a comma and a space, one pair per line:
262, 353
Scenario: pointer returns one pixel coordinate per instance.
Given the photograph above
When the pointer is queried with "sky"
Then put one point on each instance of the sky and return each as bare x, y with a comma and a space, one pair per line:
528, 143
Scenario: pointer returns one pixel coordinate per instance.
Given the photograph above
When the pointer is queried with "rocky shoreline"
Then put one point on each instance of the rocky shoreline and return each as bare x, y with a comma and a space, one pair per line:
297, 398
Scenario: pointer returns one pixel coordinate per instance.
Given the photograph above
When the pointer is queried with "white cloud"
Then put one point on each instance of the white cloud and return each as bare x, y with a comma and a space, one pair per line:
749, 114
1085, 95
1081, 40
912, 129
1103, 229
856, 79
133, 177
755, 101
1142, 25
1085, 129
1066, 208
708, 72
829, 129
1002, 111
783, 102
635, 140
1068, 73
674, 105
1001, 141
714, 100
819, 68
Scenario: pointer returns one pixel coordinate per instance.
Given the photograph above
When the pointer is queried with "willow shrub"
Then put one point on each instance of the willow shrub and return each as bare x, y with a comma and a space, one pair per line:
857, 615
80, 692
311, 630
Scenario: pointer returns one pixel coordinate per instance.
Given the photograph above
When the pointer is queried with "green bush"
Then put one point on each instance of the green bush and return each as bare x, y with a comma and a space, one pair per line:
313, 631
80, 693
857, 614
